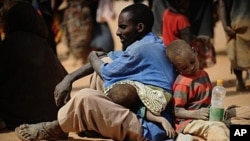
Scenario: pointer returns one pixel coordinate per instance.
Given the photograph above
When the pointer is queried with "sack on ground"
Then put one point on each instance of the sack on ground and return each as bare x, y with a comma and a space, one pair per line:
237, 115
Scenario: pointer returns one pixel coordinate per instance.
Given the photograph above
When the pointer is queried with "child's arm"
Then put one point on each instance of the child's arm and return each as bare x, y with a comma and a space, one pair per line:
159, 119
201, 113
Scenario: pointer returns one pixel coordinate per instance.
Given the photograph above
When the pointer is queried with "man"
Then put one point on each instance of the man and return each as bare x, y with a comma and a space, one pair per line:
143, 59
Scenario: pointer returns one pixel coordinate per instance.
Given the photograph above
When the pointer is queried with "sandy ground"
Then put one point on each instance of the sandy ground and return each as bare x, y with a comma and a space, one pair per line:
219, 71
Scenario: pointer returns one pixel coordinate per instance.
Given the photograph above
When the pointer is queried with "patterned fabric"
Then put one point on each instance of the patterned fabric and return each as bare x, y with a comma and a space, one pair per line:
173, 23
193, 92
78, 23
155, 99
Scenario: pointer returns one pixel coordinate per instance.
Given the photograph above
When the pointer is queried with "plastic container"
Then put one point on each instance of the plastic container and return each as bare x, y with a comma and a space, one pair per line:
217, 102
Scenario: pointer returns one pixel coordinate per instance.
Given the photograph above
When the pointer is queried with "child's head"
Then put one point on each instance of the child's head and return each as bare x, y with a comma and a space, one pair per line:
125, 95
183, 57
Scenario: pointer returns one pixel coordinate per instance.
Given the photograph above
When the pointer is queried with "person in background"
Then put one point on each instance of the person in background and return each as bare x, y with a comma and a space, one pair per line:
175, 23
30, 70
235, 17
192, 97
142, 59
85, 27
158, 8
45, 10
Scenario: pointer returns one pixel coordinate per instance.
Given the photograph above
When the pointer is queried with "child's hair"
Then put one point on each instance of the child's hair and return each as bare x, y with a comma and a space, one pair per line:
125, 95
178, 49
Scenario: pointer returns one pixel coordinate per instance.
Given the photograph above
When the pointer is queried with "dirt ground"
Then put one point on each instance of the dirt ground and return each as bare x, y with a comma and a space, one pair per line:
219, 71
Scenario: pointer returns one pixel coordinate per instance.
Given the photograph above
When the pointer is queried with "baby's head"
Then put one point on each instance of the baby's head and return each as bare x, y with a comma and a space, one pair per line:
183, 57
125, 95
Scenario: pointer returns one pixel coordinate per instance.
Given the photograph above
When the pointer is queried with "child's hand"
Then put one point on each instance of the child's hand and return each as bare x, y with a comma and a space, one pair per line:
202, 113
170, 132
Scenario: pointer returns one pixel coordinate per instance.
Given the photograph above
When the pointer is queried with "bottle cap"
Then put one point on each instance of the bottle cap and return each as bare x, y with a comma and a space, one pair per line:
220, 82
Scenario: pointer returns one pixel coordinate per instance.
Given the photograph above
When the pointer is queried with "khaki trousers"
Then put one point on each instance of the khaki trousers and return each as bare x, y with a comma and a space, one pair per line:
90, 109
208, 130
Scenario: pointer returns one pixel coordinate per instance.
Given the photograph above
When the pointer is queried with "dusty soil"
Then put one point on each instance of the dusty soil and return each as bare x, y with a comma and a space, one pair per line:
219, 71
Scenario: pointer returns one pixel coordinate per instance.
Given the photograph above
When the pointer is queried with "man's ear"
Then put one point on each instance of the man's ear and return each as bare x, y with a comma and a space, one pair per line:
140, 27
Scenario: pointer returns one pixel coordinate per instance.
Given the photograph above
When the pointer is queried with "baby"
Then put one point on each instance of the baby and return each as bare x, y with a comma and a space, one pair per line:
127, 96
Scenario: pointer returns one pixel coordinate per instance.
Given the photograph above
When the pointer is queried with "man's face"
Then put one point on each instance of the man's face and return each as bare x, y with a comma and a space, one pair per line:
127, 31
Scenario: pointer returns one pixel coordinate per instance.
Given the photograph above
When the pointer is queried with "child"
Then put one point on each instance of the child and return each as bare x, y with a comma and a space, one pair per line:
129, 94
175, 24
192, 96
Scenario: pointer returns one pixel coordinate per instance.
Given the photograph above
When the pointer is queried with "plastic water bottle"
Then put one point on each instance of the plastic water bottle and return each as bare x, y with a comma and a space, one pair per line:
217, 102
218, 95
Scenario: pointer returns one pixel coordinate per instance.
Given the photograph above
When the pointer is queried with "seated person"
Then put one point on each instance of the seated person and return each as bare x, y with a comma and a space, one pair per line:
143, 59
30, 70
192, 96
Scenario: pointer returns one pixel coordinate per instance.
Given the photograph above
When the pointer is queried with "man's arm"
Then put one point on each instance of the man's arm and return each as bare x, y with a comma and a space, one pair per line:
63, 89
95, 61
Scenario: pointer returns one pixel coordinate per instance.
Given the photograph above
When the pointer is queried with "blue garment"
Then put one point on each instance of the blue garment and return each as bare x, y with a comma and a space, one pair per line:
144, 61
154, 131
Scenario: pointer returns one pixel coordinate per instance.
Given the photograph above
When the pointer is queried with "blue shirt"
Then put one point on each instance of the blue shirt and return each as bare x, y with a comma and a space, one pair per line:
144, 61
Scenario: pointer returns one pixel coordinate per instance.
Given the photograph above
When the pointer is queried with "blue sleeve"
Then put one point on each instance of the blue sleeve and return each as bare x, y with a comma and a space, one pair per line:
121, 66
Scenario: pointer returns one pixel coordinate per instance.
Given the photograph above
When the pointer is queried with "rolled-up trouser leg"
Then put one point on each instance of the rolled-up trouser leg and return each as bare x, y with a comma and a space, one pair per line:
91, 110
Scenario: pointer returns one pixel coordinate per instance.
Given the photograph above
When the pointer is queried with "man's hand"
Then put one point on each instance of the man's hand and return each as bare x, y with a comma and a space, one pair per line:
62, 91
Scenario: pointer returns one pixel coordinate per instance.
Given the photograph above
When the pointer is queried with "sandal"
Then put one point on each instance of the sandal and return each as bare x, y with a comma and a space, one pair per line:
40, 131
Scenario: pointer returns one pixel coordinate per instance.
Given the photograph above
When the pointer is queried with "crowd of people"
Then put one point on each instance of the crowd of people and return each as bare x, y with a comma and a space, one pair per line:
155, 88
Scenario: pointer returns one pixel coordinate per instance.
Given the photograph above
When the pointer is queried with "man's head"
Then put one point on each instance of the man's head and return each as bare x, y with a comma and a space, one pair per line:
125, 95
183, 57
134, 22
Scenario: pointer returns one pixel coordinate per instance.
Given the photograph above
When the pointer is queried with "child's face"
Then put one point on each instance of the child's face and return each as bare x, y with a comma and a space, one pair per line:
188, 65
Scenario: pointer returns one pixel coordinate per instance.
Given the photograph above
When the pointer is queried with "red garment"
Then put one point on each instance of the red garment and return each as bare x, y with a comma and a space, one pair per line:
192, 92
173, 23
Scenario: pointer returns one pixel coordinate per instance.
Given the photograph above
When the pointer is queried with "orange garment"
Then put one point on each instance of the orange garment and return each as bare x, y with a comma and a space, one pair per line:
173, 23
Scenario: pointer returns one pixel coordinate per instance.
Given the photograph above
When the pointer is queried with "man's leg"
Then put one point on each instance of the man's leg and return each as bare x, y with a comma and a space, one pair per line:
90, 110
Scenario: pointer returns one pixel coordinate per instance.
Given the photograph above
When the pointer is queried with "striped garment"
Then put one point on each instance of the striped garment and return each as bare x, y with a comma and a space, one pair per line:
191, 92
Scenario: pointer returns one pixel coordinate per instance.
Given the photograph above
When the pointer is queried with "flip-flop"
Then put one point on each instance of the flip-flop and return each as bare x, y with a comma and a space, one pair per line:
34, 132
